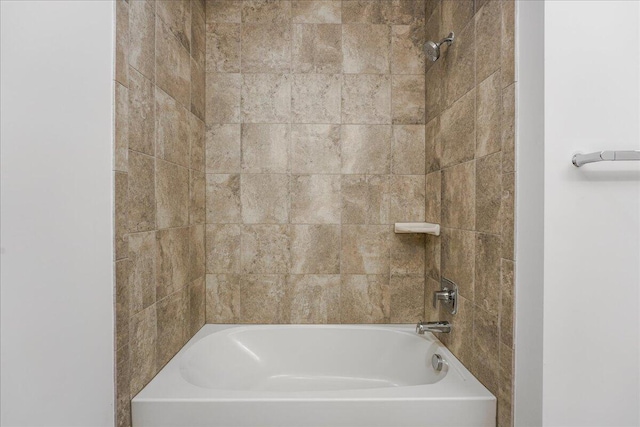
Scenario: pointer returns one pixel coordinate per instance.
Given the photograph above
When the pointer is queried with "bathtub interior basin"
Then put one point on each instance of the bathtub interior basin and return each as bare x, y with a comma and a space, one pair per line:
312, 376
309, 358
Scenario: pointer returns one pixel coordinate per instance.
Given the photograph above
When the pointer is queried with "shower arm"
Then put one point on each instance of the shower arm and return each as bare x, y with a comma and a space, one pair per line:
448, 40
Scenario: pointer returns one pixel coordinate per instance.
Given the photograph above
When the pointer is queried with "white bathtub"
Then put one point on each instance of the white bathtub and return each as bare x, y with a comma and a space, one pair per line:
313, 375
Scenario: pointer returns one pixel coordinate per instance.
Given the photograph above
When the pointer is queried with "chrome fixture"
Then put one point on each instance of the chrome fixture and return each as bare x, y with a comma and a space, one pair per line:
448, 295
441, 326
437, 362
432, 50
580, 159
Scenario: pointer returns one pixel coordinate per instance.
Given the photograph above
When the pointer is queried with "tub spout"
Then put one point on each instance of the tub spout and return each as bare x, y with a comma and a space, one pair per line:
439, 326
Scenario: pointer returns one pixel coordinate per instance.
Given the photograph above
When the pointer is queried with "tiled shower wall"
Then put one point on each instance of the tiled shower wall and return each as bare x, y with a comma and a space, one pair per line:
159, 187
470, 184
315, 146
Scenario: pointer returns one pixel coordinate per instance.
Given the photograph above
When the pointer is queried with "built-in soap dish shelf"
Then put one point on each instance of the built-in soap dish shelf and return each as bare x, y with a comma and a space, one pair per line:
417, 227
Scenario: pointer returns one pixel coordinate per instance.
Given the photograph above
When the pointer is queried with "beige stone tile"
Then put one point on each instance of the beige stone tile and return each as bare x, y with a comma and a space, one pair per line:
408, 99
315, 148
405, 12
123, 378
172, 261
122, 43
434, 89
433, 198
198, 84
142, 347
407, 254
266, 11
266, 98
488, 193
366, 99
121, 202
223, 148
407, 298
362, 11
457, 131
508, 215
458, 259
432, 262
366, 149
506, 308
433, 28
459, 340
508, 57
459, 64
223, 298
223, 248
364, 299
173, 65
266, 48
264, 299
431, 314
407, 198
408, 150
224, 11
176, 14
122, 297
172, 130
121, 125
223, 47
197, 143
328, 48
142, 270
316, 12
223, 98
265, 148
223, 199
508, 129
366, 48
142, 192
142, 39
459, 196
433, 146
303, 48
173, 320
488, 116
407, 55
265, 250
315, 249
198, 31
197, 252
315, 199
265, 198
172, 192
365, 199
431, 6
365, 249
456, 14
315, 98
142, 110
488, 39
487, 280
197, 197
197, 306
485, 365
505, 387
314, 298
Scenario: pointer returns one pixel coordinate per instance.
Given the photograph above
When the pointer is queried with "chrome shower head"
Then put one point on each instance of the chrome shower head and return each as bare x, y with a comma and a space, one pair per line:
432, 50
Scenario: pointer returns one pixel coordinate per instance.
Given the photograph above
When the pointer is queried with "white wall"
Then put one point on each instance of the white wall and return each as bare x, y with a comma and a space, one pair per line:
56, 204
529, 295
591, 328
